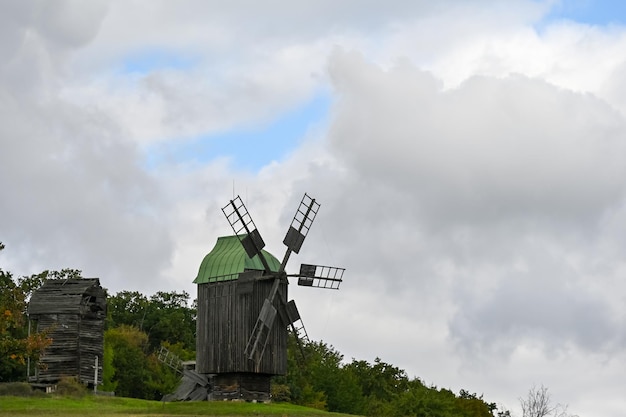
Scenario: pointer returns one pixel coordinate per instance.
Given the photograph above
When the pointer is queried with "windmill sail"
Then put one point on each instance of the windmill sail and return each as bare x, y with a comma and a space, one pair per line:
301, 223
300, 226
242, 224
320, 276
261, 332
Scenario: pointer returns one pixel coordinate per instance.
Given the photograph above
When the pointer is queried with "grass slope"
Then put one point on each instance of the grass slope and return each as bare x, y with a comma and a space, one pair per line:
90, 405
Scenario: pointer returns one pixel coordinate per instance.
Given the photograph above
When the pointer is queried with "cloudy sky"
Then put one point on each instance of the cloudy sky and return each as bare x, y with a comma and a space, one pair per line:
469, 157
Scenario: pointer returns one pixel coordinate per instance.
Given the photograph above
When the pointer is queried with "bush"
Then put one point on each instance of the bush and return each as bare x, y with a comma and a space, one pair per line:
70, 387
280, 393
16, 389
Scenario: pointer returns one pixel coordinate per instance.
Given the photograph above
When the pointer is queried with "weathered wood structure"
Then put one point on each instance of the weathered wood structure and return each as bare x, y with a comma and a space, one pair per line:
230, 300
243, 313
73, 312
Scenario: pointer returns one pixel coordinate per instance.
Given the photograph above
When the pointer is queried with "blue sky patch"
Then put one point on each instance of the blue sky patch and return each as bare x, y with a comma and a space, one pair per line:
593, 12
148, 60
249, 148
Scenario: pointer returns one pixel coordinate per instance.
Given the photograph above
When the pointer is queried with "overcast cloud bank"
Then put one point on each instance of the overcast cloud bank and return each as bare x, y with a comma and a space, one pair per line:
470, 169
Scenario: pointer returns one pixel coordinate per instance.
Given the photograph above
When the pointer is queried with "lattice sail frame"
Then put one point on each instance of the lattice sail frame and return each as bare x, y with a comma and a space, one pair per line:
246, 231
320, 276
301, 223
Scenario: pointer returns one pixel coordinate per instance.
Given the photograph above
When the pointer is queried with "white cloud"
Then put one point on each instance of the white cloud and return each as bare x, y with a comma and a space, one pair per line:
484, 206
75, 195
471, 177
494, 147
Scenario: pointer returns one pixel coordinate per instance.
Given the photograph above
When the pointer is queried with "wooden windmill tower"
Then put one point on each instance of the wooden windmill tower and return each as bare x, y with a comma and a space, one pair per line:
243, 312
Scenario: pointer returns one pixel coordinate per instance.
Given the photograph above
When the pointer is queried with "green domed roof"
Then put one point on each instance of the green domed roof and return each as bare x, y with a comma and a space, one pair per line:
228, 258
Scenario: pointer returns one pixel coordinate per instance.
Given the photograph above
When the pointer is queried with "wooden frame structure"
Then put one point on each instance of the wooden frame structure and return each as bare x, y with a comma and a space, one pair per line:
244, 315
73, 312
230, 299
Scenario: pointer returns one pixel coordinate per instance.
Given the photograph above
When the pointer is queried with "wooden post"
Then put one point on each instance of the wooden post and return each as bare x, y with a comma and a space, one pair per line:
28, 360
95, 377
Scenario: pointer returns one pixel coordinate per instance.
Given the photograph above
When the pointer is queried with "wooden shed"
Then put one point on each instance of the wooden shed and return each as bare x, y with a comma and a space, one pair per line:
231, 293
73, 312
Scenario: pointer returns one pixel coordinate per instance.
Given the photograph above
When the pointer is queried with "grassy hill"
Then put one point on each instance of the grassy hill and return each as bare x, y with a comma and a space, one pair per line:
72, 399
90, 405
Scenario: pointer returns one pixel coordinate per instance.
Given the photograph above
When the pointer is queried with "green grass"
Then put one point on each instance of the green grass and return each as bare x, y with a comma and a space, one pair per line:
90, 405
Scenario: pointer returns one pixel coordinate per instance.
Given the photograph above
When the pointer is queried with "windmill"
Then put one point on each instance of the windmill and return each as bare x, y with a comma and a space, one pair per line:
243, 311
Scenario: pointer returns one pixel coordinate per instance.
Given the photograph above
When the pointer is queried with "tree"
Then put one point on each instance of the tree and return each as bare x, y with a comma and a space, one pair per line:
538, 403
382, 385
327, 374
318, 380
16, 345
169, 319
474, 405
164, 317
322, 380
130, 370
108, 369
129, 361
379, 380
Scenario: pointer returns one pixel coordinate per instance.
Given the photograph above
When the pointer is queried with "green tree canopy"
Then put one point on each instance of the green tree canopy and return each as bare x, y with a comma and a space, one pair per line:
321, 379
164, 317
130, 369
16, 345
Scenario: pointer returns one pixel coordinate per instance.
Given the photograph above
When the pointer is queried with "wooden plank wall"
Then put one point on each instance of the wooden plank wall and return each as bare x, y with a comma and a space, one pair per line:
73, 312
226, 318
91, 340
75, 344
60, 359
